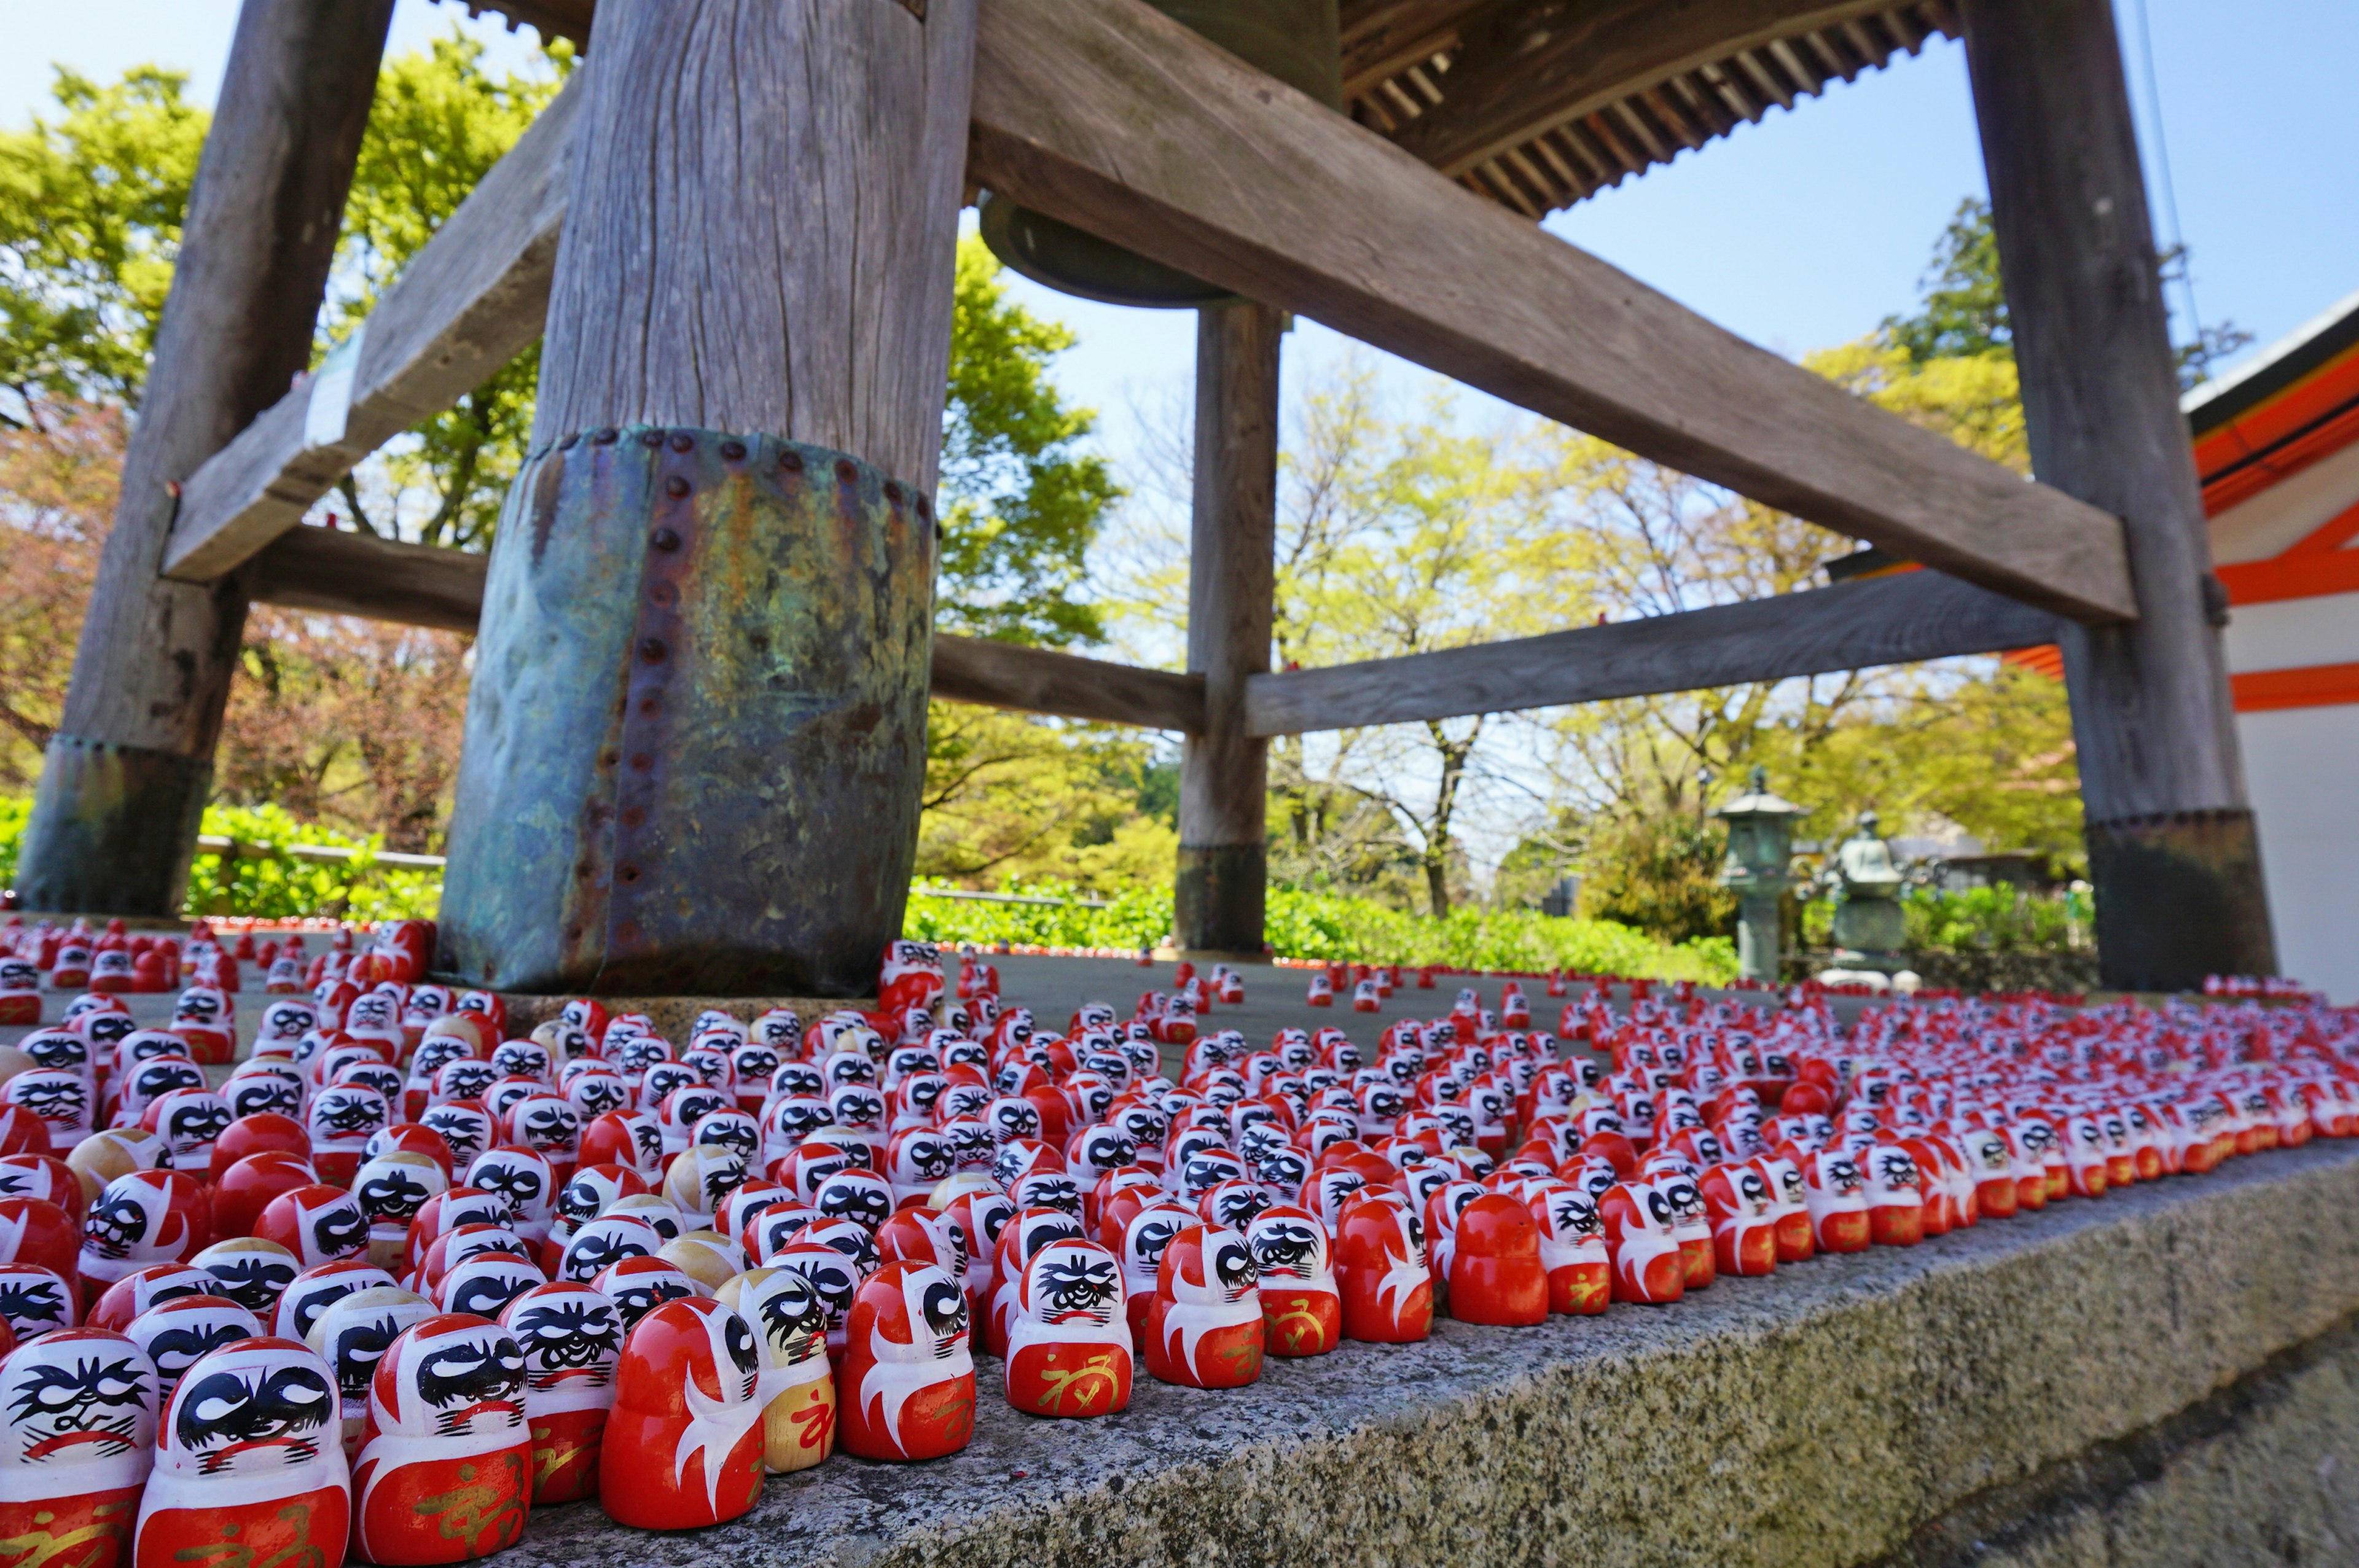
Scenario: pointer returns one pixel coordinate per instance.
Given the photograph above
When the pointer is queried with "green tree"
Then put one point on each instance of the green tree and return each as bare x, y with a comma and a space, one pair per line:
1961, 305
90, 224
1022, 501
1659, 873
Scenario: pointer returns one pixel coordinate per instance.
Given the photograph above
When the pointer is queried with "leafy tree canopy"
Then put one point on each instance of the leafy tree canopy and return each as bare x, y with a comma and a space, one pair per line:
1021, 501
90, 224
1962, 307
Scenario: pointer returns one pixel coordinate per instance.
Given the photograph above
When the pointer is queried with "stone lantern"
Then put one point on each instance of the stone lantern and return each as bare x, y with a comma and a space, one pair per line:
1760, 847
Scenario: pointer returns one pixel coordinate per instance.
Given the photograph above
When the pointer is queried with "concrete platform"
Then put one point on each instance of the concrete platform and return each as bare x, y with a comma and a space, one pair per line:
1839, 1411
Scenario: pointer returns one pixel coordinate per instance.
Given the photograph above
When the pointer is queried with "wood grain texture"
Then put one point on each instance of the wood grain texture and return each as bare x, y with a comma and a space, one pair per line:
1108, 115
1232, 570
1034, 680
1886, 620
153, 661
114, 822
829, 324
337, 573
2151, 714
1522, 70
471, 300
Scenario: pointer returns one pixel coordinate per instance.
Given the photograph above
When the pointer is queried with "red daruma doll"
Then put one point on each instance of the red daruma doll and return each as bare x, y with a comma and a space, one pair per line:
75, 1448
445, 1466
248, 1467
683, 1443
572, 1338
1380, 1270
1204, 1327
906, 1389
1495, 1276
1068, 1338
1301, 1307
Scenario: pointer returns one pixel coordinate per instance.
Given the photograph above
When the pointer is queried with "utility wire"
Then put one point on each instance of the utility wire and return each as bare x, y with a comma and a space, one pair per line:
2163, 162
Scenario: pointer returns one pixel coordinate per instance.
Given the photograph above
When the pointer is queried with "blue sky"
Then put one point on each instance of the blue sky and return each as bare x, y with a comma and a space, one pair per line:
1799, 233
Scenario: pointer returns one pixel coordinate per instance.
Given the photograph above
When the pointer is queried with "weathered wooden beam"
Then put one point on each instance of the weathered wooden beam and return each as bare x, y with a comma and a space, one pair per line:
1522, 70
1885, 620
1036, 680
696, 744
1219, 897
125, 778
1103, 113
475, 297
1111, 117
2172, 845
336, 573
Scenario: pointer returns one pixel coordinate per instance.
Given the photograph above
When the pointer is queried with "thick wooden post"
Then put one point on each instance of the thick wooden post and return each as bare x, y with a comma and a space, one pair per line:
696, 736
124, 782
1223, 772
2171, 843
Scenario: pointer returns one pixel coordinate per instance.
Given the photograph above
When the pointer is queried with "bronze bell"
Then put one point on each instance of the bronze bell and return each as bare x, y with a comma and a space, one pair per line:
1298, 42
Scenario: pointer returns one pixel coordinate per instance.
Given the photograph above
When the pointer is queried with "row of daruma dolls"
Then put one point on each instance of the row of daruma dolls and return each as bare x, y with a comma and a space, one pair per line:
1201, 1288
115, 960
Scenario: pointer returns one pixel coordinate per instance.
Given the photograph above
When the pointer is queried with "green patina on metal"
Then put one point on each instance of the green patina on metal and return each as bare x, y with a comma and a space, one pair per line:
696, 735
114, 828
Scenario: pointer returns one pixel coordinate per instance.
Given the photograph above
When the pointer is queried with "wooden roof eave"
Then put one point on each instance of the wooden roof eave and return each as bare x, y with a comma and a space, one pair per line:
1496, 94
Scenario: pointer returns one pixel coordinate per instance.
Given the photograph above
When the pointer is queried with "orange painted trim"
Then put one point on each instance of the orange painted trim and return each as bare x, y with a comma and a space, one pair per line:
2310, 419
2328, 537
2312, 686
2047, 659
2291, 577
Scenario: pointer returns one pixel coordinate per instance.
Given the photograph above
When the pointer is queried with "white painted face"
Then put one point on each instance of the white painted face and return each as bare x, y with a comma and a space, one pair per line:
246, 1410
572, 1338
1073, 1282
600, 1243
1288, 1248
788, 1319
451, 1377
77, 1415
176, 1334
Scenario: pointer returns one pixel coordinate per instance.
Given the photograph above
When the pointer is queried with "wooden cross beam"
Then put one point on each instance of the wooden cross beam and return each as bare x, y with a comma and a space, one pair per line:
1886, 620
1114, 118
471, 300
1109, 115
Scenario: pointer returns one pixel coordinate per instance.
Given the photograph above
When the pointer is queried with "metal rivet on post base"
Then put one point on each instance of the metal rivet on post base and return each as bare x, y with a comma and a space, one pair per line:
696, 736
114, 828
2180, 897
1218, 901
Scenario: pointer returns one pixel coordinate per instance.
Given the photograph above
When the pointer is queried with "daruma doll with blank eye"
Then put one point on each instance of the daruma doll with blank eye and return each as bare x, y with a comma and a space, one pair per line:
1068, 1340
572, 1337
249, 1466
444, 1470
75, 1448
